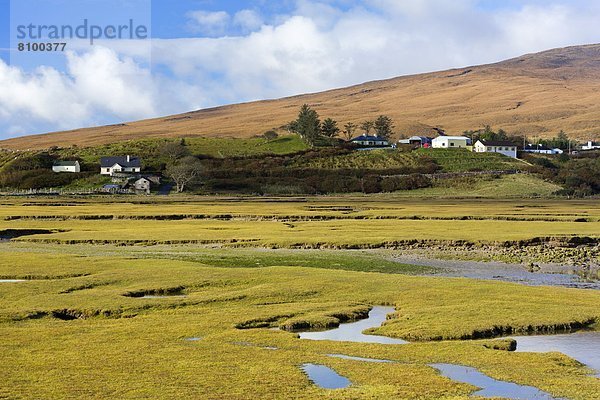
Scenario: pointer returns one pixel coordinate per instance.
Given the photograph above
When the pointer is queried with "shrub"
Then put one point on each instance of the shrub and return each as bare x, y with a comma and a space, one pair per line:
410, 182
270, 135
371, 184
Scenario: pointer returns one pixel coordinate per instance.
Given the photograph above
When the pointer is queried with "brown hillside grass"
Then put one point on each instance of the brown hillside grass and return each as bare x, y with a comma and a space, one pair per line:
538, 95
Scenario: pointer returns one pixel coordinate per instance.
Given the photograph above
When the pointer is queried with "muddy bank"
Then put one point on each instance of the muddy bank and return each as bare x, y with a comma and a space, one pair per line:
9, 234
290, 218
554, 253
539, 275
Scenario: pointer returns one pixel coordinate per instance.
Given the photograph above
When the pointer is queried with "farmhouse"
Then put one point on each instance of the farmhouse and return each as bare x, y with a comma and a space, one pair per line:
541, 149
420, 141
450, 142
590, 146
370, 141
139, 183
507, 148
66, 166
124, 164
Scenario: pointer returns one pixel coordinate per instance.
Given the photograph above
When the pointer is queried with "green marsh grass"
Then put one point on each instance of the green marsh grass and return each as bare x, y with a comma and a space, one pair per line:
119, 346
73, 329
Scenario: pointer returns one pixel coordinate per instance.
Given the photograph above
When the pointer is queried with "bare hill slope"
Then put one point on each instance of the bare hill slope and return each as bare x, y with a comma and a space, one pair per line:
536, 94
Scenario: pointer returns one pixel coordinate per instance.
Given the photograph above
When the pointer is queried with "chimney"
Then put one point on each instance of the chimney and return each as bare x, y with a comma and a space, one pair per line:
128, 158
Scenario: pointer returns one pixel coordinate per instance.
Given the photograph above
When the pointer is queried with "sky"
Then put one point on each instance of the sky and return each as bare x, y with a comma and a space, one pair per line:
205, 53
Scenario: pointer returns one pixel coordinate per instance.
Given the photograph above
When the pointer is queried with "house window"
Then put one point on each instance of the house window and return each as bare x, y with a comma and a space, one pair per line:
489, 148
452, 144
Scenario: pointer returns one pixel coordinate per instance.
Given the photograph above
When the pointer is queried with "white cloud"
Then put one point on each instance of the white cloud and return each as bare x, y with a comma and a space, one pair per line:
321, 47
104, 82
248, 20
317, 47
208, 22
97, 85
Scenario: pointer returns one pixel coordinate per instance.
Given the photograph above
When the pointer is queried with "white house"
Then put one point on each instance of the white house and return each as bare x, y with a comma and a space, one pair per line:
509, 149
370, 141
590, 146
450, 142
66, 166
541, 149
123, 164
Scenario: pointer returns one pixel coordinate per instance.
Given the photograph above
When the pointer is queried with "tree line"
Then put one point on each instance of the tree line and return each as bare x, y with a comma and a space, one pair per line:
311, 129
561, 141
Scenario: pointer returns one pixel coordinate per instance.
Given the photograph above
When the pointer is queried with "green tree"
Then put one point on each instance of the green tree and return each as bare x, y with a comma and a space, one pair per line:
329, 128
185, 172
501, 135
349, 130
366, 126
173, 151
562, 140
307, 125
383, 126
486, 133
292, 126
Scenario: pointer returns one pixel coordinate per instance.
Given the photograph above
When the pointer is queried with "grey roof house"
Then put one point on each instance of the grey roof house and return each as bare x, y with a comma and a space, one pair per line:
121, 164
505, 147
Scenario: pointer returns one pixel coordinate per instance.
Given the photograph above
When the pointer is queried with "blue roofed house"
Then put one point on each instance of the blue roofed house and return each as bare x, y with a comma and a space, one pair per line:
370, 141
120, 165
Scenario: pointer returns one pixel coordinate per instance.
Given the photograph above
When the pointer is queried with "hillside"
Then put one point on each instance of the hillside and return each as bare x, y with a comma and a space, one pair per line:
537, 94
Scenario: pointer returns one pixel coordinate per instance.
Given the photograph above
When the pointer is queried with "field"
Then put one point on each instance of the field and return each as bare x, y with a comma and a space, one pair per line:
77, 327
450, 160
506, 186
343, 222
147, 149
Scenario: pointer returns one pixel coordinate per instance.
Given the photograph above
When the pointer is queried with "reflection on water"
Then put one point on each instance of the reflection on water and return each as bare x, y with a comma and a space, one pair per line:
582, 346
325, 377
345, 357
490, 387
352, 332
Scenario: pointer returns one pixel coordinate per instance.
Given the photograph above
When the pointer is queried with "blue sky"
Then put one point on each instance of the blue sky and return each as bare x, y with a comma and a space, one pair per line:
4, 28
205, 53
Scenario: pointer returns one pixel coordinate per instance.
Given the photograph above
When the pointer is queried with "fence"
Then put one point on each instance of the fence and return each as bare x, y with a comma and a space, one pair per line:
444, 175
60, 192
